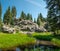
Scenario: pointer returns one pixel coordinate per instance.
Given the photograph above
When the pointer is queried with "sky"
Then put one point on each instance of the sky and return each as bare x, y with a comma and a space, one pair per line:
33, 7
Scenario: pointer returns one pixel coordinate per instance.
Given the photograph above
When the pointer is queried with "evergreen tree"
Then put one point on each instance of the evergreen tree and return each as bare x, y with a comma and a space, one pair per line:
0, 13
23, 15
13, 12
35, 20
52, 21
53, 14
7, 17
40, 19
0, 16
29, 17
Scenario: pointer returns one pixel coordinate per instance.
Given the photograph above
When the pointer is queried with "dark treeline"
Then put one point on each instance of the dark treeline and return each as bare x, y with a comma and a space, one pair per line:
10, 15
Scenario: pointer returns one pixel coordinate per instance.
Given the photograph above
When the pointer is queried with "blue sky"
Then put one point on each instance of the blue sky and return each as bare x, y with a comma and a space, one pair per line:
33, 7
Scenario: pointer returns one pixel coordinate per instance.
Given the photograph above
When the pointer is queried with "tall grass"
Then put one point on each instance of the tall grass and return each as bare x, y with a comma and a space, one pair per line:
43, 36
11, 40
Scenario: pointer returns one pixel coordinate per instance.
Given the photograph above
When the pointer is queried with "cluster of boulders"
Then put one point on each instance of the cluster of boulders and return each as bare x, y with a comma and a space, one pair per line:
8, 29
24, 25
28, 25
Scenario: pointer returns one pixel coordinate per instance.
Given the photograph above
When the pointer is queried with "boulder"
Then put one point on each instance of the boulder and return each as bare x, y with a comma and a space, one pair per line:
8, 29
28, 25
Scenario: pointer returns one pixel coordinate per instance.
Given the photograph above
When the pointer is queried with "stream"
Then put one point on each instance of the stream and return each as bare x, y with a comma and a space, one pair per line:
41, 48
34, 48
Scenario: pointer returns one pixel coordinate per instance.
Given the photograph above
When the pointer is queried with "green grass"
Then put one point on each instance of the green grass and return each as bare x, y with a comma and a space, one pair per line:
43, 36
56, 41
12, 40
43, 33
48, 37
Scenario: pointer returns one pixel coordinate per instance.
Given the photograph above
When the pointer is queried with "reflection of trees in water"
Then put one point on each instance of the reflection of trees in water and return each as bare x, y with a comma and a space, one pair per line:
37, 48
41, 48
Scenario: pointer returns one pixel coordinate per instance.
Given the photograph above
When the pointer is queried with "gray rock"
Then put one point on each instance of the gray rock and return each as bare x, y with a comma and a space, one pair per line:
23, 25
28, 25
8, 29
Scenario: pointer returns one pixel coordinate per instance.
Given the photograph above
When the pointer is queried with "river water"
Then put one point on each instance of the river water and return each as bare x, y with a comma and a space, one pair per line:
41, 48
36, 48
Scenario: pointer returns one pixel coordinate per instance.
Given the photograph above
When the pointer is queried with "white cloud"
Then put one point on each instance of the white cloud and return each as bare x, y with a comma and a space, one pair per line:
34, 3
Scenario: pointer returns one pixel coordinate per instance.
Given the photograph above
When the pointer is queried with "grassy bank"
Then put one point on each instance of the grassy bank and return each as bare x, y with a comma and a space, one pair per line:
47, 36
11, 40
56, 41
43, 36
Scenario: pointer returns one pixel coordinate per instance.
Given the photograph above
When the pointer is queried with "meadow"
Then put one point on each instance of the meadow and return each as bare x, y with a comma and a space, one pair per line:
14, 40
19, 39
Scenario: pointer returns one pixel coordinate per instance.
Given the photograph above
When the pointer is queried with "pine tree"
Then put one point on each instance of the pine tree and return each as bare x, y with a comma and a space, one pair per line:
7, 16
29, 16
53, 14
40, 19
0, 13
0, 16
23, 15
13, 12
35, 20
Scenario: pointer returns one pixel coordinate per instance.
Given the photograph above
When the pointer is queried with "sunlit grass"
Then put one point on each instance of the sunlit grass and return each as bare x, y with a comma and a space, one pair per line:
43, 36
11, 40
47, 36
42, 33
56, 41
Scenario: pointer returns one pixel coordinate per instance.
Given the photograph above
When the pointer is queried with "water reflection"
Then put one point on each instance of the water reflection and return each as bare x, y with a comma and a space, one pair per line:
35, 48
18, 49
41, 48
0, 50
